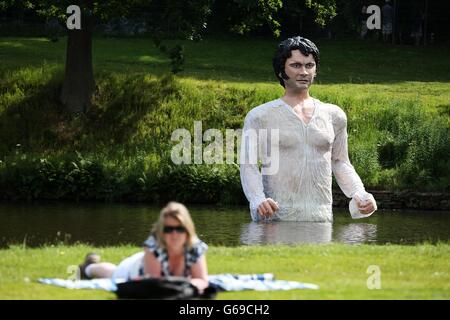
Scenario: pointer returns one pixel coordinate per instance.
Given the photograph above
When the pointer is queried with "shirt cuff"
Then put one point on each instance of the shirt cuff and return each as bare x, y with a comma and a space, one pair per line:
255, 202
353, 208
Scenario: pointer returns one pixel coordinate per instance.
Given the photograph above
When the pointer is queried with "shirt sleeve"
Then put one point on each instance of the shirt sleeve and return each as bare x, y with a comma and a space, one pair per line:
251, 177
152, 244
346, 176
197, 250
354, 208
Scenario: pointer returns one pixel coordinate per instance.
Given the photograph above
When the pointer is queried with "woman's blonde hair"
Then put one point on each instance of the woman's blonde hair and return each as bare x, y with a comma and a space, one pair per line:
179, 212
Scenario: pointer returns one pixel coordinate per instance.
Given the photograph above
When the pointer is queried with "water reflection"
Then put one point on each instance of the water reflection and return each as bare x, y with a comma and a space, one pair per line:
356, 233
114, 224
259, 233
283, 232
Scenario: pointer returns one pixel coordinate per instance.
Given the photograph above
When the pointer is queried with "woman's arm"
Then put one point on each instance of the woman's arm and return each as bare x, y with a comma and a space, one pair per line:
199, 272
152, 267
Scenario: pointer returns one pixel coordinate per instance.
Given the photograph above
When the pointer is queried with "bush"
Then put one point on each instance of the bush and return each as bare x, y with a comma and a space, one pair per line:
123, 143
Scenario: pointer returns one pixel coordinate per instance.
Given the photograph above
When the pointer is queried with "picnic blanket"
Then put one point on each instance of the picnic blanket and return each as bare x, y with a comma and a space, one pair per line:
222, 282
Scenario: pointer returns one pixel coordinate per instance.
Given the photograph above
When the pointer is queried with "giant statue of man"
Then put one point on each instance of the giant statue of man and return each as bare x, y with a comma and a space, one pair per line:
309, 145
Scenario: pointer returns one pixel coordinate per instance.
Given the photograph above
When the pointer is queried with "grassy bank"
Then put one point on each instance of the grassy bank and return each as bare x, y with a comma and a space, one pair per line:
407, 272
397, 108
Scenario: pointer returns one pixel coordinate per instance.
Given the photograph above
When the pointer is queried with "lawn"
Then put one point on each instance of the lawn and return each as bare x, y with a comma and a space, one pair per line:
341, 270
240, 60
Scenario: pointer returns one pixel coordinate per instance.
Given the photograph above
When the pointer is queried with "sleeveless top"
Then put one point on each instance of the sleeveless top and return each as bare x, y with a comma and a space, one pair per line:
191, 255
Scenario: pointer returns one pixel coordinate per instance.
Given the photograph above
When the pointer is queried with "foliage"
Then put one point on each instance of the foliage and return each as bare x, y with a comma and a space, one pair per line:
397, 140
247, 15
325, 10
179, 19
57, 9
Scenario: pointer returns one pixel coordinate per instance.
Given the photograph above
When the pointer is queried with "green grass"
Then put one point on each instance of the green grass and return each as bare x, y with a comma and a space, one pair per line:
407, 272
242, 60
396, 99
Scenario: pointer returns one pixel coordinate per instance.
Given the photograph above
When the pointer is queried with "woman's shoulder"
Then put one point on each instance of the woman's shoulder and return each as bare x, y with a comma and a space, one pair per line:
152, 244
197, 249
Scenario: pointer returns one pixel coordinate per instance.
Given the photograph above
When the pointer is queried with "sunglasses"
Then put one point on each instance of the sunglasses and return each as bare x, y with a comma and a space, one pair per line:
170, 229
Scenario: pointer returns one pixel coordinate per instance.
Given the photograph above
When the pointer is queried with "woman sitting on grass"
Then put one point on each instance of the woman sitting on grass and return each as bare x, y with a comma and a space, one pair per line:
172, 249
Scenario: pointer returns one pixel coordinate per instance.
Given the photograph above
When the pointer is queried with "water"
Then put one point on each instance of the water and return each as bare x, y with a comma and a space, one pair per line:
113, 224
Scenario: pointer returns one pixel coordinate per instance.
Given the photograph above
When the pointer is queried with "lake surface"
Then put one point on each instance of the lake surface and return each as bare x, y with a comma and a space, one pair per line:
112, 224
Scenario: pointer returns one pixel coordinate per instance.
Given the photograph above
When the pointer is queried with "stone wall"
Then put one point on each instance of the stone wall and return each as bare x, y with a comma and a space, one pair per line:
401, 200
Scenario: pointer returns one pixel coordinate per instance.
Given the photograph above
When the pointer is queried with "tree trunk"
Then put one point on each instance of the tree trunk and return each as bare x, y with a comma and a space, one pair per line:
79, 84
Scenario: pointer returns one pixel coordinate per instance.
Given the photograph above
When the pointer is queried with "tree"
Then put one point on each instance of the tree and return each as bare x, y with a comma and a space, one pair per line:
325, 10
243, 16
187, 18
301, 17
247, 15
78, 84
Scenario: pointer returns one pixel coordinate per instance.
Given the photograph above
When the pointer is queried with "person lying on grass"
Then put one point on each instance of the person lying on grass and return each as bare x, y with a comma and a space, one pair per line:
172, 249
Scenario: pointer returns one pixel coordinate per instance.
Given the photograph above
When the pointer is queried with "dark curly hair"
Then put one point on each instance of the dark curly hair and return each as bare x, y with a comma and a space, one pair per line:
283, 52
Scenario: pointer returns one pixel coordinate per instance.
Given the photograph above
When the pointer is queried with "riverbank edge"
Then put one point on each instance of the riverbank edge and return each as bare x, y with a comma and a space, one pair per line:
386, 200
404, 199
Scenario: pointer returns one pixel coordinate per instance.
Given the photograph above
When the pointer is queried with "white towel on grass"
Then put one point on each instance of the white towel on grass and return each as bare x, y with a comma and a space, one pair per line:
223, 282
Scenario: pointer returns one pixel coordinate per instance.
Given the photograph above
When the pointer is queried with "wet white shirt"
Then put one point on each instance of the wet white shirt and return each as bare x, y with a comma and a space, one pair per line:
308, 155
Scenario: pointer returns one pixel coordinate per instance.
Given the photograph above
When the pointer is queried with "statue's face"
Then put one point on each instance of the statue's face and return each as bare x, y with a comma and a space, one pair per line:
301, 71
